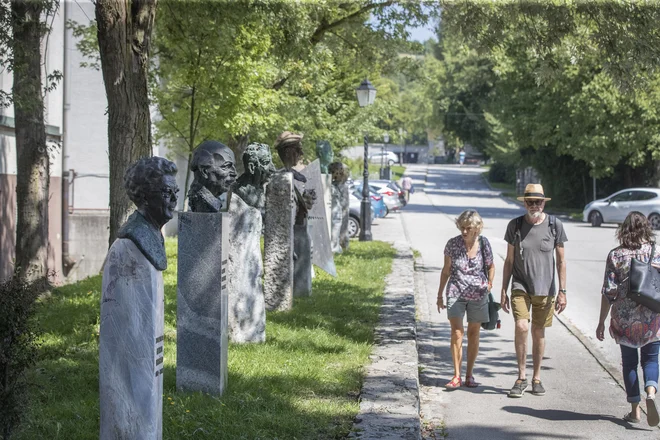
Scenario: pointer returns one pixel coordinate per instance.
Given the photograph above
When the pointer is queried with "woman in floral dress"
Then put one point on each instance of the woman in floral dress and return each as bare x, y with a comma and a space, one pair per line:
468, 273
633, 326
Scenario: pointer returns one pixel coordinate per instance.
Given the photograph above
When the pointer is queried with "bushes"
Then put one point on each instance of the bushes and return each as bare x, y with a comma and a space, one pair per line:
501, 172
18, 348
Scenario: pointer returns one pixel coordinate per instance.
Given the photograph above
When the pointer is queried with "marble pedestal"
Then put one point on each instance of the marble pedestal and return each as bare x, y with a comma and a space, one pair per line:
247, 308
278, 242
131, 346
202, 303
302, 265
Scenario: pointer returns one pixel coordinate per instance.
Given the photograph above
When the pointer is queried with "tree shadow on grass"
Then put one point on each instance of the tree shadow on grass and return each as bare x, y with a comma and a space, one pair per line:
354, 320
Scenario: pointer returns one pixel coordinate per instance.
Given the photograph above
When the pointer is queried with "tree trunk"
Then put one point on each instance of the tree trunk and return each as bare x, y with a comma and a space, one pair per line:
33, 171
238, 144
124, 35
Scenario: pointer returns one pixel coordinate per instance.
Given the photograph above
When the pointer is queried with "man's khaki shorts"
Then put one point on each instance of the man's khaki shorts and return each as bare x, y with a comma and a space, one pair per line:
543, 308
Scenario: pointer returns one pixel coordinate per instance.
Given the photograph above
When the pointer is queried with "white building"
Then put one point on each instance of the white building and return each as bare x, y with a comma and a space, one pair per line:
79, 187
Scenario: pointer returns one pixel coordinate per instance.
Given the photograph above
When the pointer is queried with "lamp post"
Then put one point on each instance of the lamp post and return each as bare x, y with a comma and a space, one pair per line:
366, 95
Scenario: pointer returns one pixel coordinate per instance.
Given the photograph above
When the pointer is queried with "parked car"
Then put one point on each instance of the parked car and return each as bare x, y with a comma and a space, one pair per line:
386, 157
377, 202
392, 193
354, 223
616, 207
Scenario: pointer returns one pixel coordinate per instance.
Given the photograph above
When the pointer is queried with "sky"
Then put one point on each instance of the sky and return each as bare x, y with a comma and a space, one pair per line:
422, 34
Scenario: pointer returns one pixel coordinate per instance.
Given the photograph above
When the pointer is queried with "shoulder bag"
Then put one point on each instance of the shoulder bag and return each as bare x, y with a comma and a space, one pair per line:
493, 307
644, 279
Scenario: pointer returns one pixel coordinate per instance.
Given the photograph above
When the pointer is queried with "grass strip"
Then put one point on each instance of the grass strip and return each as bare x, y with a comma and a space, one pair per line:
303, 383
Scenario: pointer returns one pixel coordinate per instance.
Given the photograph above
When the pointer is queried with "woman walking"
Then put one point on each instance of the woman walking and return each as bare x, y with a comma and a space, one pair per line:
633, 326
468, 274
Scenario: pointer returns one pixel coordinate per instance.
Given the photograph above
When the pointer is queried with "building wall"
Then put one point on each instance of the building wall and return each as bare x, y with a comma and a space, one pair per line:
8, 166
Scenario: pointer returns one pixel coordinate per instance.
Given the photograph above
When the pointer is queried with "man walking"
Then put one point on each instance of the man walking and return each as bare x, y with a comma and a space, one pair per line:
406, 186
531, 239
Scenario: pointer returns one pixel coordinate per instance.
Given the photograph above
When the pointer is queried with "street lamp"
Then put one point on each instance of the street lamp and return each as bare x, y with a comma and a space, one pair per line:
366, 95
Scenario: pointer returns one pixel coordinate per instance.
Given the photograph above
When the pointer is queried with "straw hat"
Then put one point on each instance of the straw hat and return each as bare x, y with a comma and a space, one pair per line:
534, 191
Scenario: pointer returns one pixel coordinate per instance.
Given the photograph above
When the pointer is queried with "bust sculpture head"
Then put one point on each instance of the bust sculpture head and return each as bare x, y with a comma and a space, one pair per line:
289, 148
151, 184
214, 169
339, 173
258, 164
325, 154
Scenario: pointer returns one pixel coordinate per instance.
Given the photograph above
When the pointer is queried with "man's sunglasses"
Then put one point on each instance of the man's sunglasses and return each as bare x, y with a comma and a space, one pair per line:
534, 202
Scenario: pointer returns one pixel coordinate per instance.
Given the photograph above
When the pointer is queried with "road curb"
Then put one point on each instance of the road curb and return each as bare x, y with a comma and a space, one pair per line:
389, 400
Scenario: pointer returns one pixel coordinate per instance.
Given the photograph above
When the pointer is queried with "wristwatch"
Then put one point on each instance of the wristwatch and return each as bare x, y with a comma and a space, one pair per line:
562, 291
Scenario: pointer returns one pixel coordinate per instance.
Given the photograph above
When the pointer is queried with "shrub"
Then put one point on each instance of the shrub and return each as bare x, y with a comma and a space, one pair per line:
502, 173
18, 347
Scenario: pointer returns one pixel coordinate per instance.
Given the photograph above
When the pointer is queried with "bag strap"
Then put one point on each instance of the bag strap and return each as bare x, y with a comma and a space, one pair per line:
652, 253
483, 255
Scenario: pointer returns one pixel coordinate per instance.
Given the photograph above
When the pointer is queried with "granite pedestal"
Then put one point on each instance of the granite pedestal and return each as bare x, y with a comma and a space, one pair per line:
131, 346
278, 242
247, 308
302, 247
202, 302
326, 181
344, 202
336, 220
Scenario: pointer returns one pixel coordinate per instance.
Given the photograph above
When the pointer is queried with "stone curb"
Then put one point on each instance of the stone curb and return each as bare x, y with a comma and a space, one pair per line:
389, 401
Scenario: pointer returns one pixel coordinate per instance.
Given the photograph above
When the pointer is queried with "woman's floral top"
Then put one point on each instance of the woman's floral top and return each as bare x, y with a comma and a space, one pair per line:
468, 279
631, 324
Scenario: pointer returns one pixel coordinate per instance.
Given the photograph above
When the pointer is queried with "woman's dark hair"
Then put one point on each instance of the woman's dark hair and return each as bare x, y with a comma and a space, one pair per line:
634, 231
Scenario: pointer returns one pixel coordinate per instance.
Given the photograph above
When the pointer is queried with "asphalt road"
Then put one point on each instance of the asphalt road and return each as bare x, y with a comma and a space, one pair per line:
576, 365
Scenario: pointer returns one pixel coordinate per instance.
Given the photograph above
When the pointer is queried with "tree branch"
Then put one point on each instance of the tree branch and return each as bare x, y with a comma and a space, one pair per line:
325, 26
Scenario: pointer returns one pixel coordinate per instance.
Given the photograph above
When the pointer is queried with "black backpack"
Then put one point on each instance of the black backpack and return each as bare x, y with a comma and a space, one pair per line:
552, 223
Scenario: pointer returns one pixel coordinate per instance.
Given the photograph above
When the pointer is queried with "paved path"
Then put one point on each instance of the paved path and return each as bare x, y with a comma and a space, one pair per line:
583, 401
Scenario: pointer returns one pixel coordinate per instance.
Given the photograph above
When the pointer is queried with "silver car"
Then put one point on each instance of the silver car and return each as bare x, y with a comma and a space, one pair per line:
392, 195
615, 208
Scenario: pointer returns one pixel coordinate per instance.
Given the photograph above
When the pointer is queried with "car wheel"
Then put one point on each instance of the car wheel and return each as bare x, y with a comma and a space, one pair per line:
387, 211
353, 227
596, 219
654, 220
390, 162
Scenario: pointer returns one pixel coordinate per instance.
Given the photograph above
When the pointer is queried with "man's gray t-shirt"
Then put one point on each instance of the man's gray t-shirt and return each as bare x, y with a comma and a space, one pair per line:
534, 270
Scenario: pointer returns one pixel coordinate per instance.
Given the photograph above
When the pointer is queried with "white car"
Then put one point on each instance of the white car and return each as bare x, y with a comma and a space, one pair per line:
387, 158
615, 208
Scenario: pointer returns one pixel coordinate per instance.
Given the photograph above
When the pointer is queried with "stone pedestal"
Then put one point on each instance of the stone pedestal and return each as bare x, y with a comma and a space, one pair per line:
336, 220
278, 242
202, 302
317, 224
326, 181
247, 309
302, 266
344, 202
131, 346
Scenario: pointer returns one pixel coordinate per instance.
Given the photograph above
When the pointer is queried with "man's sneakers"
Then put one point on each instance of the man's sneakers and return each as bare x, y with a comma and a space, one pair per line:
537, 387
521, 386
518, 388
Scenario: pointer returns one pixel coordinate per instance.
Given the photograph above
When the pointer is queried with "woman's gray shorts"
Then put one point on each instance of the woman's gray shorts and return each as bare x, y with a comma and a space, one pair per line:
477, 311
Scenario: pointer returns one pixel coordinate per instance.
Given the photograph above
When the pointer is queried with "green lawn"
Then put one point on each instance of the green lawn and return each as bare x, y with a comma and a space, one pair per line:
302, 383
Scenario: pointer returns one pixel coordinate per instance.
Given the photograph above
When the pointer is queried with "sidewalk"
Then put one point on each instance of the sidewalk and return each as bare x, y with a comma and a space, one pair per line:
582, 400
